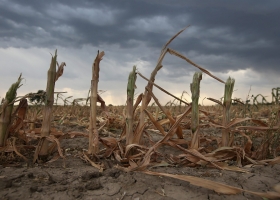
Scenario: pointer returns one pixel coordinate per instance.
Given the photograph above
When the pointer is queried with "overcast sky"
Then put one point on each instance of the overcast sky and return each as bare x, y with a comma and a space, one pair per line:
236, 38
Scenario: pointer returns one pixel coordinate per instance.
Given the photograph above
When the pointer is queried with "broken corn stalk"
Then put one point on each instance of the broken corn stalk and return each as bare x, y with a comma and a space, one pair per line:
227, 104
129, 106
195, 110
7, 108
93, 147
47, 113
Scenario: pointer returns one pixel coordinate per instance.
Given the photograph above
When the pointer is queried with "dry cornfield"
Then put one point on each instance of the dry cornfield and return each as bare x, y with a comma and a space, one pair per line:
141, 150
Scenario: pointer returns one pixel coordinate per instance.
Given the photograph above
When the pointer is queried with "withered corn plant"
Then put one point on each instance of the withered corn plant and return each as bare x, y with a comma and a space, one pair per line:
6, 112
275, 95
53, 76
226, 116
129, 105
147, 97
93, 147
195, 89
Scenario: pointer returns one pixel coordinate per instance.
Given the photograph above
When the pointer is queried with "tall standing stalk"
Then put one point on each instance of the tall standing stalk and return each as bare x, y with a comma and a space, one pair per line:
93, 147
129, 105
227, 104
53, 76
195, 89
6, 112
47, 113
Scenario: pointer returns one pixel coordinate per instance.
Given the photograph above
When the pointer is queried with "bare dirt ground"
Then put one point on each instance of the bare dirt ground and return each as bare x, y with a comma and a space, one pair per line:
78, 180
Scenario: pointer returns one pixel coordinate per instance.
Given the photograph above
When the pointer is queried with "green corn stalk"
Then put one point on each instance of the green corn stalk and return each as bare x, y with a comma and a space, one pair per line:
6, 113
275, 95
129, 106
47, 114
195, 89
227, 104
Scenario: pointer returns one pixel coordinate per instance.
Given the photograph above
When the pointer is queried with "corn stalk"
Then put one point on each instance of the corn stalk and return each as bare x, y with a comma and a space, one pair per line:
146, 96
129, 106
227, 104
195, 110
93, 147
275, 95
6, 113
53, 76
47, 113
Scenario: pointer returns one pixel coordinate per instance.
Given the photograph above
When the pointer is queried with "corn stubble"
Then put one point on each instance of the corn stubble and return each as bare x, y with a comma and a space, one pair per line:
6, 111
131, 149
93, 147
195, 89
53, 75
129, 105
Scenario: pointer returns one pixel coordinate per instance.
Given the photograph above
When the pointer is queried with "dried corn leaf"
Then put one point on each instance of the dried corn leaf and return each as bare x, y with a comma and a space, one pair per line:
249, 143
197, 154
259, 128
109, 142
259, 122
74, 134
171, 39
101, 101
53, 139
225, 166
156, 124
21, 113
216, 186
16, 151
129, 147
163, 90
99, 167
216, 101
60, 70
174, 127
256, 162
236, 121
273, 161
163, 121
173, 52
179, 131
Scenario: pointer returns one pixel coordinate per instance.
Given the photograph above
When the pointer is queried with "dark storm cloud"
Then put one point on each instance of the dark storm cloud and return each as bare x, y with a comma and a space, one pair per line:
237, 30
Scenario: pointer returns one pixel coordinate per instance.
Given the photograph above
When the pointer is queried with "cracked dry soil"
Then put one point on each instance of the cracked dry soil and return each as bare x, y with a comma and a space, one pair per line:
79, 180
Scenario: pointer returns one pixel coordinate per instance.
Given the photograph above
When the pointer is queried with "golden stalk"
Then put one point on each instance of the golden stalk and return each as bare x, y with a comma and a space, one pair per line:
53, 76
47, 114
93, 147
